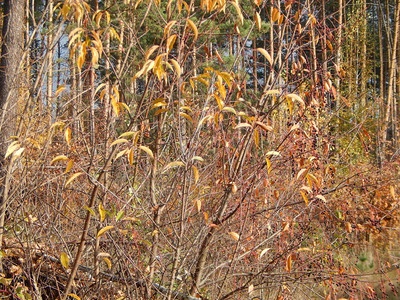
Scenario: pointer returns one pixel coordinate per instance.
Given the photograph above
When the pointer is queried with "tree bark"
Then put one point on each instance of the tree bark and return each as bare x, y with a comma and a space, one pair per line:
10, 69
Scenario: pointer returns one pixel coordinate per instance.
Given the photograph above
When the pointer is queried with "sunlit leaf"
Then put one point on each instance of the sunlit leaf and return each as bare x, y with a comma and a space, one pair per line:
297, 98
103, 230
234, 235
118, 141
242, 125
300, 173
90, 210
195, 174
257, 18
264, 126
128, 134
69, 166
266, 54
264, 251
229, 109
64, 260
73, 177
108, 262
119, 215
147, 150
304, 197
74, 296
273, 153
67, 135
321, 198
197, 204
173, 165
239, 11
102, 212
268, 165
194, 28
177, 68
150, 52
59, 90
121, 153
14, 146
59, 158
198, 158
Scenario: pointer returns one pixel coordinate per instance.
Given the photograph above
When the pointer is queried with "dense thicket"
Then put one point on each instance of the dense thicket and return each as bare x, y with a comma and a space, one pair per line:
205, 149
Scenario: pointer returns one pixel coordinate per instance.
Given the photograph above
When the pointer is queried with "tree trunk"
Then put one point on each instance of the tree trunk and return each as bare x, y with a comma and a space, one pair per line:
10, 68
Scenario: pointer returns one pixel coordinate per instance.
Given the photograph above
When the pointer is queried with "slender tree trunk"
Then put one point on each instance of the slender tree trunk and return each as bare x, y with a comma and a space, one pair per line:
364, 71
339, 50
392, 68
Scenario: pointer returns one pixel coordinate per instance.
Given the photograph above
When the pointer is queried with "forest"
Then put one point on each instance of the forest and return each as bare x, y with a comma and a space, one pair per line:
200, 149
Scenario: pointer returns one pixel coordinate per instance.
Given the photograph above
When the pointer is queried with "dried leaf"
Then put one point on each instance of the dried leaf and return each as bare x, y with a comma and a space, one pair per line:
74, 296
301, 172
257, 18
108, 262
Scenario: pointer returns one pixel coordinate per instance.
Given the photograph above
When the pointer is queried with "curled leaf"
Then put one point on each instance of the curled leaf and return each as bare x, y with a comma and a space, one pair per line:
59, 158
147, 150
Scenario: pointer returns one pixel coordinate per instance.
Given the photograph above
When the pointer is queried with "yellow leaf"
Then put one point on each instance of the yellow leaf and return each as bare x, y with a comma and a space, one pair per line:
301, 172
177, 68
197, 204
59, 89
321, 198
173, 165
186, 116
108, 262
11, 148
95, 56
69, 166
392, 192
196, 174
74, 296
171, 42
263, 126
128, 134
150, 52
103, 230
59, 158
64, 260
304, 197
102, 212
123, 152
348, 226
229, 109
266, 54
73, 177
273, 92
268, 165
67, 135
18, 153
147, 150
234, 235
239, 11
256, 138
118, 141
198, 158
194, 28
258, 20
168, 27
242, 125
90, 210
297, 98
275, 14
